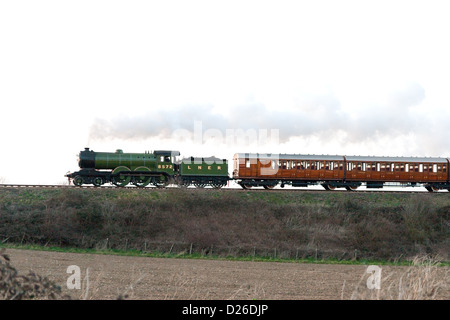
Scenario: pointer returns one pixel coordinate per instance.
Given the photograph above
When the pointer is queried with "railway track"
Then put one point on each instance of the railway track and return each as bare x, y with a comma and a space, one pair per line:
225, 189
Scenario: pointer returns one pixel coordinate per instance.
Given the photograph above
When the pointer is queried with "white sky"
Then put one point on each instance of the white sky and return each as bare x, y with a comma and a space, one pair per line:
334, 77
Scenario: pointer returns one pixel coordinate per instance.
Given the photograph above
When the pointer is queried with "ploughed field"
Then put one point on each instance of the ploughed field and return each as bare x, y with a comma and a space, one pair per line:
108, 277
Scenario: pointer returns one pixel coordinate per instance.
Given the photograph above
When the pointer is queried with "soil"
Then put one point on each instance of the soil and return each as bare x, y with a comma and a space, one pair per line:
106, 277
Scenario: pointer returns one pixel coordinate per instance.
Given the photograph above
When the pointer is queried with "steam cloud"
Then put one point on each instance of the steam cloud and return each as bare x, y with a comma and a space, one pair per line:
315, 115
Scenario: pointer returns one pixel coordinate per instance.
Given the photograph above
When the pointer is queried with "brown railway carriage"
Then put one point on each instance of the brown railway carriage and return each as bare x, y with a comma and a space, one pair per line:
269, 170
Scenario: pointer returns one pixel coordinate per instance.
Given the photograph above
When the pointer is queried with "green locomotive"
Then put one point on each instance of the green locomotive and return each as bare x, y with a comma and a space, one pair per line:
159, 168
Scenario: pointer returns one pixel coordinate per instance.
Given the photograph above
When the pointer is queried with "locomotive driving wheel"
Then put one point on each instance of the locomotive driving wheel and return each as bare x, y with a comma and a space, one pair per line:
160, 182
141, 180
122, 179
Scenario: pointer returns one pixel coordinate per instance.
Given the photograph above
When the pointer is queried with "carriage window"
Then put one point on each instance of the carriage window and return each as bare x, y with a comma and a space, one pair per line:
434, 168
273, 165
402, 167
439, 168
444, 168
421, 167
247, 163
406, 167
416, 168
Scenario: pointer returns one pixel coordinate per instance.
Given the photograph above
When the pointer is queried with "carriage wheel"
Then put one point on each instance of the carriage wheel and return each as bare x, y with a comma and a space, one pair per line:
351, 188
432, 189
269, 187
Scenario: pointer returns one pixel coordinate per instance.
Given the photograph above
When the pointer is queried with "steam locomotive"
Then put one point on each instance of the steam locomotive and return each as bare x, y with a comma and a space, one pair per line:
162, 167
159, 168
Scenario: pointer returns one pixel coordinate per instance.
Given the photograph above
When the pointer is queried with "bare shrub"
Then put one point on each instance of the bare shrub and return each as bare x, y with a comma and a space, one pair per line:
23, 287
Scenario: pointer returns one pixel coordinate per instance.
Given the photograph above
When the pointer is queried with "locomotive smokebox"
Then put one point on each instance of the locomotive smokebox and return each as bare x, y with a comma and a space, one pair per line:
87, 159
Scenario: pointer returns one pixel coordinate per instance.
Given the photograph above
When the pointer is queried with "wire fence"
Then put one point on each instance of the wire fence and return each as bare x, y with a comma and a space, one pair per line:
168, 248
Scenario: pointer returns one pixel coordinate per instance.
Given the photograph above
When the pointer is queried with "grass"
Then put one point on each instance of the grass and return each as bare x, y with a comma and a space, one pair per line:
137, 253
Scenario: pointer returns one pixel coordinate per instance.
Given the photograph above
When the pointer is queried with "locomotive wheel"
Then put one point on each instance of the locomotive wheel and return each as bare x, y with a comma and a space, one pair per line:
184, 184
121, 180
160, 182
141, 180
218, 185
78, 181
199, 185
97, 181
